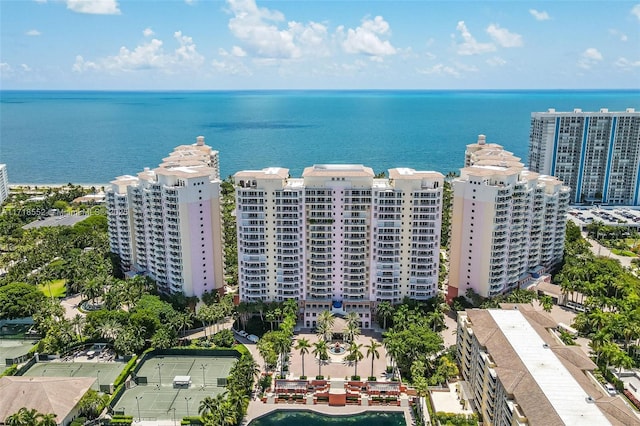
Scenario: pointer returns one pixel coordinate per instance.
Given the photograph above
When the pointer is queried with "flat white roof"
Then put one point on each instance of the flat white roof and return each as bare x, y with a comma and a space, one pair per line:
563, 392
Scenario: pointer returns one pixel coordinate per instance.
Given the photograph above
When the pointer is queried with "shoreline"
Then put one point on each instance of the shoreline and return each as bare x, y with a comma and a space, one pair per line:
55, 185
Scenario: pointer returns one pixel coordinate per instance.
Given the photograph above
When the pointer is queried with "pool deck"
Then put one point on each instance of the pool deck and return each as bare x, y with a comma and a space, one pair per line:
259, 409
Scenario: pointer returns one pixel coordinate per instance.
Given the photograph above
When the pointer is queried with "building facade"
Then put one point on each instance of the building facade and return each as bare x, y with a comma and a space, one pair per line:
338, 238
4, 183
166, 222
507, 226
518, 372
596, 154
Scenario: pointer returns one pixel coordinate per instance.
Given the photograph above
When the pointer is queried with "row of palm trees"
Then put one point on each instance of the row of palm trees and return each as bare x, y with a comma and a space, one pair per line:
320, 350
324, 331
30, 417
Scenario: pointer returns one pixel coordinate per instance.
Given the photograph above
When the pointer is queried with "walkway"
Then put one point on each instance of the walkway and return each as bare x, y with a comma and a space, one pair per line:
600, 250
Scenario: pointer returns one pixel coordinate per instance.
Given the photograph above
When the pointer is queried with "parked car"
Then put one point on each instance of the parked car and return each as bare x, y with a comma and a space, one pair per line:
253, 338
611, 389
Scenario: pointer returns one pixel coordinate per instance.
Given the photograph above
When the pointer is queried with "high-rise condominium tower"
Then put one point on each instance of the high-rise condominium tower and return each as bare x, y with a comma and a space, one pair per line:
507, 225
4, 183
338, 238
166, 222
596, 154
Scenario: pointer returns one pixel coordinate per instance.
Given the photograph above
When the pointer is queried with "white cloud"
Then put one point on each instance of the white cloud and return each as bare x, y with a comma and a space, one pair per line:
589, 58
231, 68
439, 69
366, 39
186, 54
238, 51
620, 35
94, 7
149, 55
464, 67
504, 37
539, 16
33, 33
635, 10
5, 67
25, 67
496, 61
41, 1
190, 2
258, 29
469, 45
81, 65
626, 64
148, 32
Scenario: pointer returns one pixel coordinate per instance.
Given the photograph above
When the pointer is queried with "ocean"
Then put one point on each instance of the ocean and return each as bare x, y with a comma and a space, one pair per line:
92, 137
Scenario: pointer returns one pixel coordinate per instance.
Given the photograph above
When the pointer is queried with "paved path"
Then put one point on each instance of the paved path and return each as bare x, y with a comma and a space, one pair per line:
600, 250
70, 305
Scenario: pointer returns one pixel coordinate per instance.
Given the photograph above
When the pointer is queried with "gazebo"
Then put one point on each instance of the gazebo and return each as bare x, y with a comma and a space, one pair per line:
339, 327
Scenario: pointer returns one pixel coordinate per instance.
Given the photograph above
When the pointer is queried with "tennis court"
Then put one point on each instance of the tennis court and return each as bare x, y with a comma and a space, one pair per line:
104, 372
10, 349
156, 396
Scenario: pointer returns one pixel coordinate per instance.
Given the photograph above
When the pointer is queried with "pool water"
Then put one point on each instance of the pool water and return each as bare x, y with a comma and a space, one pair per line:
307, 418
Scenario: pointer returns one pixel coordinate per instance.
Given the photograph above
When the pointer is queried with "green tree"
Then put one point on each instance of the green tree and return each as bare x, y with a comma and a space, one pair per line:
385, 312
18, 300
92, 403
303, 346
372, 351
355, 355
321, 352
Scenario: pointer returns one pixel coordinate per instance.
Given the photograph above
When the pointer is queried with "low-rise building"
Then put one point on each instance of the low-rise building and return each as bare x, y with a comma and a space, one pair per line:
519, 373
46, 395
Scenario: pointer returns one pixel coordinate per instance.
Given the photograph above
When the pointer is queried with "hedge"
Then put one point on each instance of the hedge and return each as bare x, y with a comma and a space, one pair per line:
10, 371
125, 372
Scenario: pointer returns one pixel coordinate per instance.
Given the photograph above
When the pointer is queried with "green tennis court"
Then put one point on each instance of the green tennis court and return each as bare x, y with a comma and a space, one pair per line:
10, 349
104, 372
157, 399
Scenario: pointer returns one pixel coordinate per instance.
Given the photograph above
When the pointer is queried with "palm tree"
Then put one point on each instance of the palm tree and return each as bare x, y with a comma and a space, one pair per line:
320, 351
282, 345
352, 331
110, 329
303, 346
323, 331
355, 355
23, 417
327, 318
208, 405
385, 311
47, 420
372, 350
436, 318
211, 408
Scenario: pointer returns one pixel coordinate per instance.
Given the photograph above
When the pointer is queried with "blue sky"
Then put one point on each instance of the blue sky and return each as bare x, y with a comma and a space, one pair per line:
318, 44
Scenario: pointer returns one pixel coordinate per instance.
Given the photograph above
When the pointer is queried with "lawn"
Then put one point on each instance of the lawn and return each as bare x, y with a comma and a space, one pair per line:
623, 252
54, 288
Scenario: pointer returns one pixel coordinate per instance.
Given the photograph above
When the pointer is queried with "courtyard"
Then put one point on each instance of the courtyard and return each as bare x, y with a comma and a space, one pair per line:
337, 366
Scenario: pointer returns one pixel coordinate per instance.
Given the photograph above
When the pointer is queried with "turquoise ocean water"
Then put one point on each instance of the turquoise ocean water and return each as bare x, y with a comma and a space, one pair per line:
92, 137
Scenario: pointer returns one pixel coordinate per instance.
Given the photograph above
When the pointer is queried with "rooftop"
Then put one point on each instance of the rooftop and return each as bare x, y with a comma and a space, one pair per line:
47, 395
547, 379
